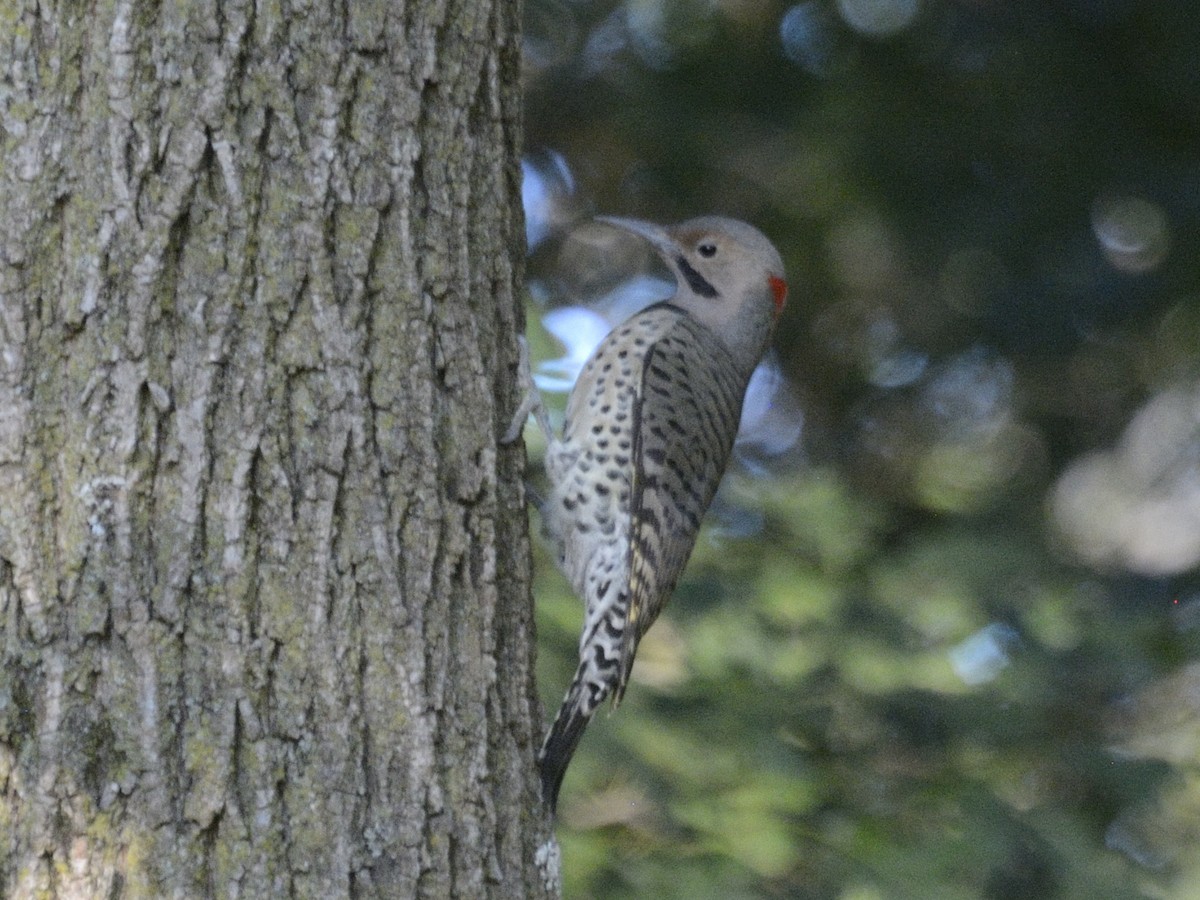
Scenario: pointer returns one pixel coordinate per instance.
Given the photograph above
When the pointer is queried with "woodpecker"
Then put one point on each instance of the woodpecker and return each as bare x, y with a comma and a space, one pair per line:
649, 428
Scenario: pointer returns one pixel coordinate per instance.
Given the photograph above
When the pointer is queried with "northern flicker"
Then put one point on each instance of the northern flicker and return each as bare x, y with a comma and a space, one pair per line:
649, 428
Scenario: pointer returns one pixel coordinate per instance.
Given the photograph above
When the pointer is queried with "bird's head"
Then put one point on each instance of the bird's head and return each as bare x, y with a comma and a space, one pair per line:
729, 277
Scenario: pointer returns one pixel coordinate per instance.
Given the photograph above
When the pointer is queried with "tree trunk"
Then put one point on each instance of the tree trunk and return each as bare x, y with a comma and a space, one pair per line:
263, 567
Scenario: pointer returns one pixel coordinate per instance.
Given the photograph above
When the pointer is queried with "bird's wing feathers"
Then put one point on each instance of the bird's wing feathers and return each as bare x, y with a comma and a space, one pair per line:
685, 420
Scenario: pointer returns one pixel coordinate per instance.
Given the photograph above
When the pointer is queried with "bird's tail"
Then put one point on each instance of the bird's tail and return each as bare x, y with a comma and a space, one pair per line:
587, 691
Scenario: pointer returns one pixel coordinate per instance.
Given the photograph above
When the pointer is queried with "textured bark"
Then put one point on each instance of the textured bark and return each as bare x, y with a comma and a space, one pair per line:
263, 567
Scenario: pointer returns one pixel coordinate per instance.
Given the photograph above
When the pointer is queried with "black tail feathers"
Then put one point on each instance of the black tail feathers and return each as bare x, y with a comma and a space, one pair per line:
564, 736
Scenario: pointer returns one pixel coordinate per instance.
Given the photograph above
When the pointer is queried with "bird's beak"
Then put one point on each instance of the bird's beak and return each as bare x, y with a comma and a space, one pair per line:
655, 234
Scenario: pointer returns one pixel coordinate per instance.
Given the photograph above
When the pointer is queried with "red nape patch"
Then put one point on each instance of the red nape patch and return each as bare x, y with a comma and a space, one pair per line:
779, 289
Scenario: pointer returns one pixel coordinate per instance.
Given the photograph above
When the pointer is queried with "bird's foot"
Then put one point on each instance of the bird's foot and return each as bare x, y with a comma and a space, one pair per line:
531, 400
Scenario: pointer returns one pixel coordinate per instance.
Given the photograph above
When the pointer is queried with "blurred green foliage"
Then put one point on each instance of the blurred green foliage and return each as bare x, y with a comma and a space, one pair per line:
938, 664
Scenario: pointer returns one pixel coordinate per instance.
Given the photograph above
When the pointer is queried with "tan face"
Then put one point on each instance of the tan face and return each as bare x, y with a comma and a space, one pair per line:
725, 264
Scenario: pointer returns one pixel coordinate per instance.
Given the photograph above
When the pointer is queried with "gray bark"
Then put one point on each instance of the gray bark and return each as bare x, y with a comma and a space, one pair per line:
264, 600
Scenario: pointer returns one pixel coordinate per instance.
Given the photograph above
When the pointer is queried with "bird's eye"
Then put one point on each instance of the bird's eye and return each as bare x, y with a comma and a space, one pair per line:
708, 250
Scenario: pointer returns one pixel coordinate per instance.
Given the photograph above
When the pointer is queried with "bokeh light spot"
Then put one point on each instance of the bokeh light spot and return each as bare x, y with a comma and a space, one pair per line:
878, 18
984, 655
1137, 506
810, 38
1132, 231
547, 186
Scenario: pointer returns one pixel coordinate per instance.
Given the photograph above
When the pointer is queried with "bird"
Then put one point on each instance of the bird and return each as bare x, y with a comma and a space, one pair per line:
648, 432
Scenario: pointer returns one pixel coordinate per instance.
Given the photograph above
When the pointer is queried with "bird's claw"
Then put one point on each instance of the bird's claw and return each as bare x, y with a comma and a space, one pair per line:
531, 400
